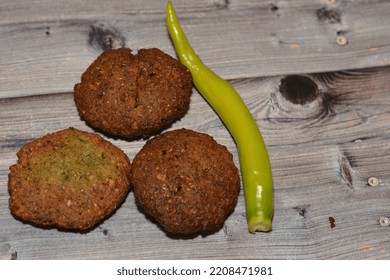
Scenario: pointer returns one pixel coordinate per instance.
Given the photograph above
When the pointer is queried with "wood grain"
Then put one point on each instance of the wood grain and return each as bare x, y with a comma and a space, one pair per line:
46, 49
323, 149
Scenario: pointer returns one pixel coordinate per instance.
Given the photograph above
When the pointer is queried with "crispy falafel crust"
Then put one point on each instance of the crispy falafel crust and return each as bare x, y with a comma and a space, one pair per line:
186, 181
69, 179
133, 96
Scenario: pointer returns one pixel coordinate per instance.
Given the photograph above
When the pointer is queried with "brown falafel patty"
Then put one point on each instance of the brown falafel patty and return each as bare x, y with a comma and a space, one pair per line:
132, 96
69, 179
186, 181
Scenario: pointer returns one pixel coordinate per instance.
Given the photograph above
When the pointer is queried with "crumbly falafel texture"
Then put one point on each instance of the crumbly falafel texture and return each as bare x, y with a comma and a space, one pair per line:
133, 96
186, 181
68, 179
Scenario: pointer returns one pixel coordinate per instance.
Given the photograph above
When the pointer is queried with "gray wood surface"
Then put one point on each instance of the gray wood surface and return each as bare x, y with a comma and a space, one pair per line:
323, 152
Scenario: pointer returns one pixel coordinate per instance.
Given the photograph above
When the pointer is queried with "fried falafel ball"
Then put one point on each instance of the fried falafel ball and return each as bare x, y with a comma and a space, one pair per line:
69, 179
133, 96
186, 181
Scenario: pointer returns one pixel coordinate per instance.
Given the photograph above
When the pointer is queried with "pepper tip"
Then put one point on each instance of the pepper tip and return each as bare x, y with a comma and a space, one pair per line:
260, 225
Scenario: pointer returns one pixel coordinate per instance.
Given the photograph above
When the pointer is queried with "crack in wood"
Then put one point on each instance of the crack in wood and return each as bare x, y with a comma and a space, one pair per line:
346, 170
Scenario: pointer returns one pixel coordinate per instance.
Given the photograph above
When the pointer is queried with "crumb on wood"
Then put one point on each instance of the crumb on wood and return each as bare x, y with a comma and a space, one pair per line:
14, 255
332, 222
364, 247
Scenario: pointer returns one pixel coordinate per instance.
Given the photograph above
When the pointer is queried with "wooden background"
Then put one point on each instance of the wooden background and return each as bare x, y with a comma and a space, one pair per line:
324, 144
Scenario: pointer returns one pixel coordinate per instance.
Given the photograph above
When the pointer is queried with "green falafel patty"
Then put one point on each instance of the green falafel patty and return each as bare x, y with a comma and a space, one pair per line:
69, 179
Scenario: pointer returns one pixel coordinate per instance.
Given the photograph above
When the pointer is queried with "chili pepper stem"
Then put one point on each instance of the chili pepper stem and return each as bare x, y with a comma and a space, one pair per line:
227, 103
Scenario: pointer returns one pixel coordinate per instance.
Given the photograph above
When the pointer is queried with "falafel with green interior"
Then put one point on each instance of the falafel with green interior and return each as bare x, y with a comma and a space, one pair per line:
69, 179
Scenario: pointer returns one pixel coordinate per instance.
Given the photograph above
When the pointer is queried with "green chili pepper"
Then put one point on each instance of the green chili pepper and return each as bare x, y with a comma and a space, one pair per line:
254, 161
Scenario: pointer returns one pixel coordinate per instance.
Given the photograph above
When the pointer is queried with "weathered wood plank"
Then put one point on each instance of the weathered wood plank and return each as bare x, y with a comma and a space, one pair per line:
46, 49
322, 152
27, 11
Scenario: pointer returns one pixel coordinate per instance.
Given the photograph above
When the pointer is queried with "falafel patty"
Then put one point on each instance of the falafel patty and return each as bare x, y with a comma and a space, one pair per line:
69, 179
133, 96
186, 181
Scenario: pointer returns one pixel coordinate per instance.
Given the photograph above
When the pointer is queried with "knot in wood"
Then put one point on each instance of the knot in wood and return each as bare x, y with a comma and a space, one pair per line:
373, 181
328, 15
299, 89
384, 221
103, 36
